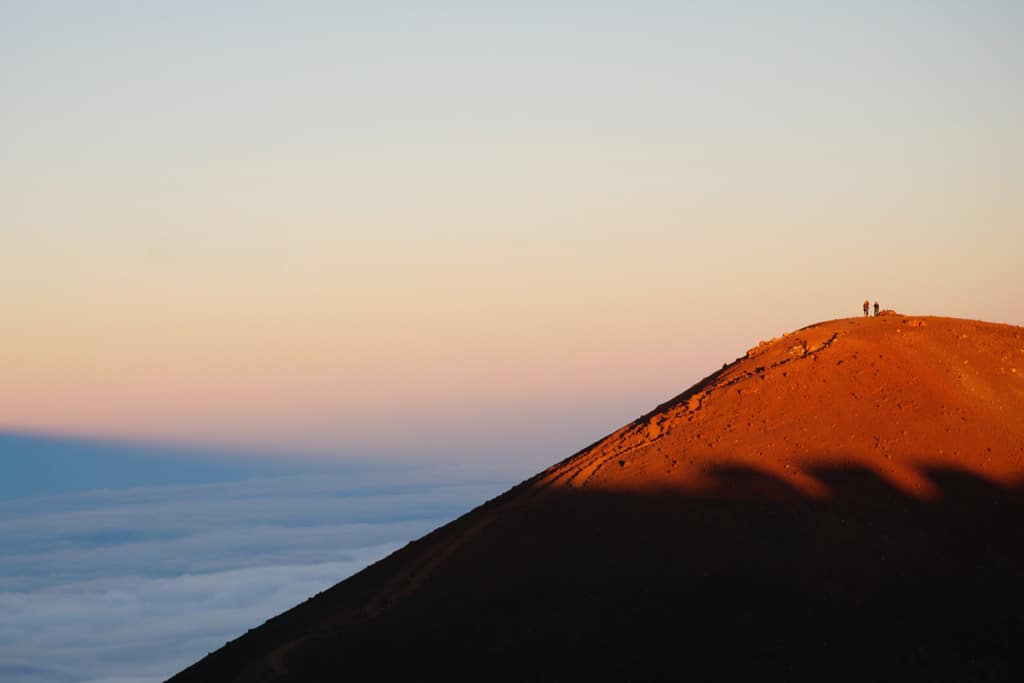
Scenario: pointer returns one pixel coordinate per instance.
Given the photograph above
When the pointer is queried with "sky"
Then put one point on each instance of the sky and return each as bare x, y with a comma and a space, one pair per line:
473, 230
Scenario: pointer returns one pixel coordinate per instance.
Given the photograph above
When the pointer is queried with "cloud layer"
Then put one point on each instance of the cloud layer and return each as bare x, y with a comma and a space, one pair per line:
133, 585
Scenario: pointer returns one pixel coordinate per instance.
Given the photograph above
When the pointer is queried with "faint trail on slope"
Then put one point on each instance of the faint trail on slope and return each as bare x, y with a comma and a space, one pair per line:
579, 469
399, 586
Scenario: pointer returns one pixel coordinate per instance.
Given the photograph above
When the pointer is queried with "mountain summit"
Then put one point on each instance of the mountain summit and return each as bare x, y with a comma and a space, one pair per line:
844, 502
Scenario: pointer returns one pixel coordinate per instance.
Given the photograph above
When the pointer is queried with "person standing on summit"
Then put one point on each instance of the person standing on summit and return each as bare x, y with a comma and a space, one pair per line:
866, 304
876, 309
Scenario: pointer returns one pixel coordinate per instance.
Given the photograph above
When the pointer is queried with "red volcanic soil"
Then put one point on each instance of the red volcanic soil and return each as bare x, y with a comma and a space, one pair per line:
845, 502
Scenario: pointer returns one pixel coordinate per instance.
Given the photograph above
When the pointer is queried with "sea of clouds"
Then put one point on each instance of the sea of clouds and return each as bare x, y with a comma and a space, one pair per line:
132, 585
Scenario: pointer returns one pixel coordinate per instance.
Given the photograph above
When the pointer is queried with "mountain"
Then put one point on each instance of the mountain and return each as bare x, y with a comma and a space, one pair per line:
842, 503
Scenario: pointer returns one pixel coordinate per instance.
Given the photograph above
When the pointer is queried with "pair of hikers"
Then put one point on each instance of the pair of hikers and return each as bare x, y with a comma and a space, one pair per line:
866, 305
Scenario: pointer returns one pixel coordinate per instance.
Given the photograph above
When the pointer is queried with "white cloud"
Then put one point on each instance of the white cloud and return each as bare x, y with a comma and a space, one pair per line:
134, 585
154, 626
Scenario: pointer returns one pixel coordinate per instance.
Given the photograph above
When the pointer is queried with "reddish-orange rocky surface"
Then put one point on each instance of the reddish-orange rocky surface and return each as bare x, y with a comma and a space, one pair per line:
843, 503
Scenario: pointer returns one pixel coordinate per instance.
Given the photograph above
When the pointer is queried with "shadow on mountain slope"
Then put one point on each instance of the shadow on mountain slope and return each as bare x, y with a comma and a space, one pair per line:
748, 579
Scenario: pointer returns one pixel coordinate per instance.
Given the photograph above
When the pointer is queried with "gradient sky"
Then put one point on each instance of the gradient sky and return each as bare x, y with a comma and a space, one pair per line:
478, 230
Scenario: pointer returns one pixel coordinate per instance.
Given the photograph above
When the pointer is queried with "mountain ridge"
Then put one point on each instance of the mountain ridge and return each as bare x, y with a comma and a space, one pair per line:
821, 482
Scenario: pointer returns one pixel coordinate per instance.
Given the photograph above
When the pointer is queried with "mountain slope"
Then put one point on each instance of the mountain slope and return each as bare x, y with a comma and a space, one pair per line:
843, 502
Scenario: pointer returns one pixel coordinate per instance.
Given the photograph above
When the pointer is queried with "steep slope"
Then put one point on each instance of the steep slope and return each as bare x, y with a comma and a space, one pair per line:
844, 502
